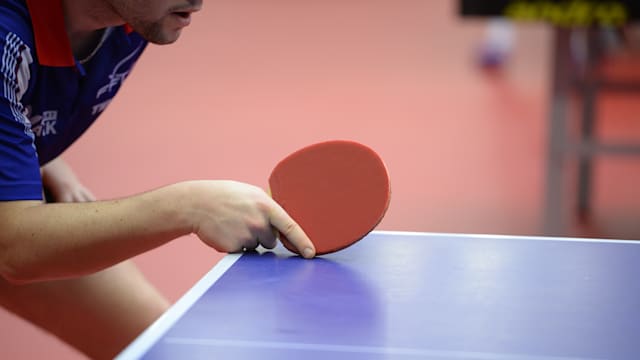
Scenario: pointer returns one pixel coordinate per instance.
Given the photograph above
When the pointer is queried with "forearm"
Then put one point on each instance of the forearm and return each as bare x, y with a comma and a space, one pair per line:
52, 241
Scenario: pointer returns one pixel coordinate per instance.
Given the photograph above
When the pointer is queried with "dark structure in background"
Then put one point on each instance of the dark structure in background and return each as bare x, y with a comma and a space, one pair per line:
580, 12
544, 8
577, 24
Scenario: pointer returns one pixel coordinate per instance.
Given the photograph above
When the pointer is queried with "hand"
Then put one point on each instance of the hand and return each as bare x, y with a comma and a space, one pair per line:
62, 183
233, 216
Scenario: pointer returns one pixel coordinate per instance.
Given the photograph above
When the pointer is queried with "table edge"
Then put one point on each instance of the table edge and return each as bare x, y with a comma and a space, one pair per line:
512, 237
149, 336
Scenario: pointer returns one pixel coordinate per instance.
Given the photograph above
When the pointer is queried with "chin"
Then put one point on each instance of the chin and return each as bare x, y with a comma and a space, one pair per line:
165, 40
160, 36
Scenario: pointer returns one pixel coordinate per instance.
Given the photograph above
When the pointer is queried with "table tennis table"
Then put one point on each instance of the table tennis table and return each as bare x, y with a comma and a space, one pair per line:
409, 295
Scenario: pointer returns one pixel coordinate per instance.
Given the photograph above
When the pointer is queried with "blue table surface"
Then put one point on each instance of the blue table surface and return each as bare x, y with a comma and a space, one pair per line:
398, 295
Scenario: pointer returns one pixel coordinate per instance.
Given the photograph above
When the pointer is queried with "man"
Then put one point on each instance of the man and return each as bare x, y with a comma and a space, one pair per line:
62, 262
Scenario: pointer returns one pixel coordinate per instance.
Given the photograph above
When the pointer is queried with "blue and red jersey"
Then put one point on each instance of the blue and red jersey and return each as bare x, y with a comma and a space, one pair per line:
48, 98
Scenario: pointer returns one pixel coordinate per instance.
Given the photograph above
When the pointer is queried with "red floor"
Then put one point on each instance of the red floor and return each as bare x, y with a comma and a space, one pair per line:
251, 81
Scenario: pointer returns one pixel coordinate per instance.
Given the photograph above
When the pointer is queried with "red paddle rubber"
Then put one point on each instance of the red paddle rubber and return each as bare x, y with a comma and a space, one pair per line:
337, 191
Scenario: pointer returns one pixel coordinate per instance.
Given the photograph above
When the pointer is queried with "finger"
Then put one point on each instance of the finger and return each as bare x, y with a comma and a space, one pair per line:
279, 218
88, 195
84, 195
64, 198
252, 244
87, 198
78, 196
268, 238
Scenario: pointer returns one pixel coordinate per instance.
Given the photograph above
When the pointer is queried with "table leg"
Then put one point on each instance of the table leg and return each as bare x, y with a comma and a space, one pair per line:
555, 210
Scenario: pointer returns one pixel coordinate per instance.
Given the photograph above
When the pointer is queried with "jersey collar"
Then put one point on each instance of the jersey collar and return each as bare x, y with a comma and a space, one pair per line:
51, 39
52, 42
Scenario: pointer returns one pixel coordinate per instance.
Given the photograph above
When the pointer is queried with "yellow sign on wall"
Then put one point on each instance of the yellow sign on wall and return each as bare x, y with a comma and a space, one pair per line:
574, 13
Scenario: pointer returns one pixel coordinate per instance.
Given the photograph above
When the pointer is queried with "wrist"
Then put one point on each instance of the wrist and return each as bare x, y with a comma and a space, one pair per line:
181, 207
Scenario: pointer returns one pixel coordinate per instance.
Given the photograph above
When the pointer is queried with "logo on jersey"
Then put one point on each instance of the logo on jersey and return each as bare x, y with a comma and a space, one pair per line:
98, 108
117, 76
45, 124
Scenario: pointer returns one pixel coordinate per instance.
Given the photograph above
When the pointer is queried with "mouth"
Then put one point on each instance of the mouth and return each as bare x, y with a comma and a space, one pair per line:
186, 11
183, 17
182, 14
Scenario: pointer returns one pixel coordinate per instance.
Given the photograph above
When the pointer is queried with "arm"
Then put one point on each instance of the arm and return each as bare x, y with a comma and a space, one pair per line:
53, 241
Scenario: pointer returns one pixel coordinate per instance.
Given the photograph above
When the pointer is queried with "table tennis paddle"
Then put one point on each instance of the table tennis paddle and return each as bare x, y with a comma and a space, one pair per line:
337, 191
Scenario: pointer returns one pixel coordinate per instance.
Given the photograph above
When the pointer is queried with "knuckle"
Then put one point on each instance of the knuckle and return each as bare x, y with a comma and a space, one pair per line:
257, 224
231, 247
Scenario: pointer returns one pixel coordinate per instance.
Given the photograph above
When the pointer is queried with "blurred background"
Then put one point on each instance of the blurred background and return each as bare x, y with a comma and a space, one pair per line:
251, 81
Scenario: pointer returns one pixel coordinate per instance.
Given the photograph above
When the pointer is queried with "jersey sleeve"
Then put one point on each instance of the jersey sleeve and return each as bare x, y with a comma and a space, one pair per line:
19, 168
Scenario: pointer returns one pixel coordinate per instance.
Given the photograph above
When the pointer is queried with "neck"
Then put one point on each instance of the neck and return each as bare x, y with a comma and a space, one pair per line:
85, 21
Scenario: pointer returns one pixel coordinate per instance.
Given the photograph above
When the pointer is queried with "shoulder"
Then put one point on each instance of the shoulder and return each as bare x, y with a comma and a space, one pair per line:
15, 21
16, 44
16, 38
16, 57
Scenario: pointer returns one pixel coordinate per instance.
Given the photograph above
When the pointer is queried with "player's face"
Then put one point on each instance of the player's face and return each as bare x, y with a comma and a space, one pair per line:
158, 21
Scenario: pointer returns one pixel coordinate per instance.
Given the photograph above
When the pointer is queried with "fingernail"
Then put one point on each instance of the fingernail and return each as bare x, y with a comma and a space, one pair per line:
307, 252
